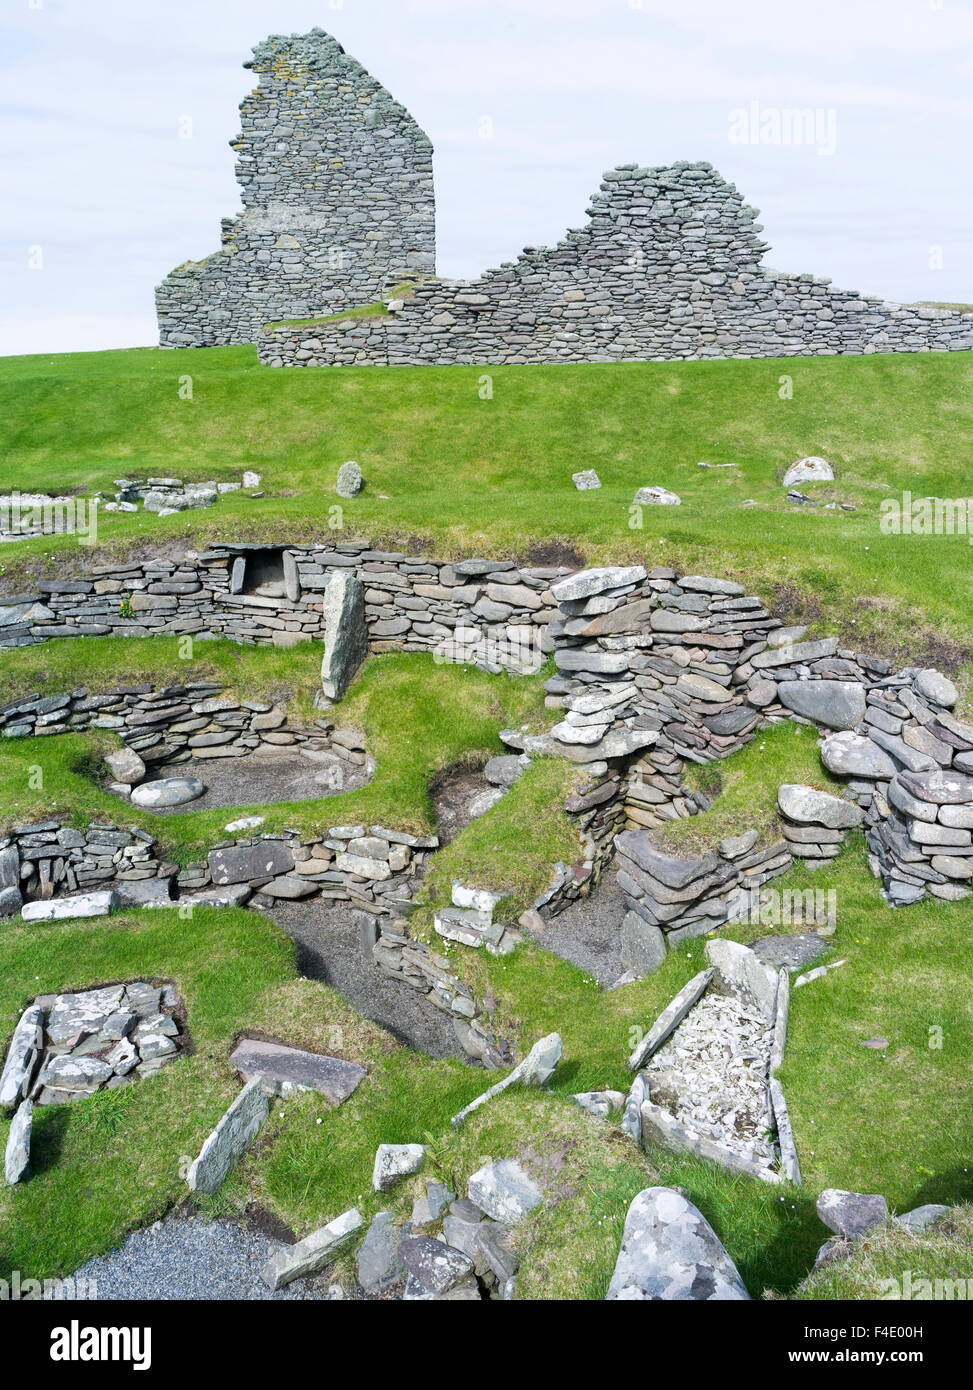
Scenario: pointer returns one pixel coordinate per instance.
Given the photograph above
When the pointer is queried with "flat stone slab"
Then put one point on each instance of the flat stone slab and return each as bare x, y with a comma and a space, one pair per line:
808, 806
286, 1071
312, 1253
16, 1164
836, 704
790, 952
97, 904
670, 1252
167, 791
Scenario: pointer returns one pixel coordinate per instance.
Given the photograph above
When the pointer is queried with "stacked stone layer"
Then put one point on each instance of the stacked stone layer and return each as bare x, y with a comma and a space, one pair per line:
336, 182
668, 266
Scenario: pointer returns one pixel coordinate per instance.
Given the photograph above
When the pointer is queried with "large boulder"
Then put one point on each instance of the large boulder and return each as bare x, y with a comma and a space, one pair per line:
808, 470
345, 633
835, 704
670, 1252
350, 480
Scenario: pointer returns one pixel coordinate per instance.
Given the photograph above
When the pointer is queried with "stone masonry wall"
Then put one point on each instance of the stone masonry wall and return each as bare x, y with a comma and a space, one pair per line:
669, 266
337, 188
653, 670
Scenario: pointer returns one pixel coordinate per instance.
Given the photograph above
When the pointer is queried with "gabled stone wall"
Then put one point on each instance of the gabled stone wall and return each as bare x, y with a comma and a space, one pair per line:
337, 188
668, 266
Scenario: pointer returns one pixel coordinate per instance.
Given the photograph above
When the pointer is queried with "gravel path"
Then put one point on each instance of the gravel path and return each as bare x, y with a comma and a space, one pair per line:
328, 949
187, 1257
588, 932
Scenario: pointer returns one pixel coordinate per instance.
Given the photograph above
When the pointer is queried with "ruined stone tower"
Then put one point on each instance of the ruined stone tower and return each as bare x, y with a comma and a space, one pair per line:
338, 205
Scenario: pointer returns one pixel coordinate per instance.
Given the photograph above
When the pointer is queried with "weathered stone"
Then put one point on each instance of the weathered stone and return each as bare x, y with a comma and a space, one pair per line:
240, 864
97, 904
349, 482
934, 686
504, 1191
435, 1265
808, 470
231, 1137
168, 791
670, 1018
345, 633
380, 1269
807, 806
851, 1214
836, 704
536, 1069
312, 1253
23, 1055
395, 1161
738, 967
852, 755
287, 1071
670, 1252
642, 945
595, 581
921, 1218
17, 1155
126, 765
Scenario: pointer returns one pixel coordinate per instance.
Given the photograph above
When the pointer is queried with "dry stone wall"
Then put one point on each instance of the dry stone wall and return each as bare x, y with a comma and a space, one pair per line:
668, 266
654, 670
337, 188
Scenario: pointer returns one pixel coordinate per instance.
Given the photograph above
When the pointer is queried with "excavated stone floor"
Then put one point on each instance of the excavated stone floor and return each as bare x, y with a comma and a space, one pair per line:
264, 779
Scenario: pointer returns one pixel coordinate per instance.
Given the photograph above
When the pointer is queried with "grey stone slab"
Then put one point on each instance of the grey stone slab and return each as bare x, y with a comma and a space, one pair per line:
289, 1070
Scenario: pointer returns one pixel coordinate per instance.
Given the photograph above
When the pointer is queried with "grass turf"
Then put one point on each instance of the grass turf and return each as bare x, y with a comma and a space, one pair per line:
465, 459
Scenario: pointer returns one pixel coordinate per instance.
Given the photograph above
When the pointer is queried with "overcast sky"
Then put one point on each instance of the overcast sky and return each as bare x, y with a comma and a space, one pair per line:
526, 102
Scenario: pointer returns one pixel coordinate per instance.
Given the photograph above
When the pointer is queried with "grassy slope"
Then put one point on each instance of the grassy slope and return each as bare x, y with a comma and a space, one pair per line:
463, 473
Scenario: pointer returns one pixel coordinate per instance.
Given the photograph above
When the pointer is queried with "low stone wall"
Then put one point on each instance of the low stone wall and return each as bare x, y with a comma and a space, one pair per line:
488, 610
669, 266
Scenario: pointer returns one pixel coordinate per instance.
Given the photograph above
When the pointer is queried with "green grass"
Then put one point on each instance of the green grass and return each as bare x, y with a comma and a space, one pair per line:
452, 472
418, 718
876, 1265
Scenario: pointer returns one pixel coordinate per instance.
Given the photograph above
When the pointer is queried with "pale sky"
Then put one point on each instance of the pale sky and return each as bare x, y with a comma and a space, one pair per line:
527, 102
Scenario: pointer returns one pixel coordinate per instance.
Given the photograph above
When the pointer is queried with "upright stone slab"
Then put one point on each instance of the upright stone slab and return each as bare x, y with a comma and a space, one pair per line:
24, 1053
670, 1252
345, 633
17, 1157
231, 1137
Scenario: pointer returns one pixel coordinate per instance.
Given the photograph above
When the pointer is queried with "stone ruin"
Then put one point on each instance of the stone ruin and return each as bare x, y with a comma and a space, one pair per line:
338, 208
336, 183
